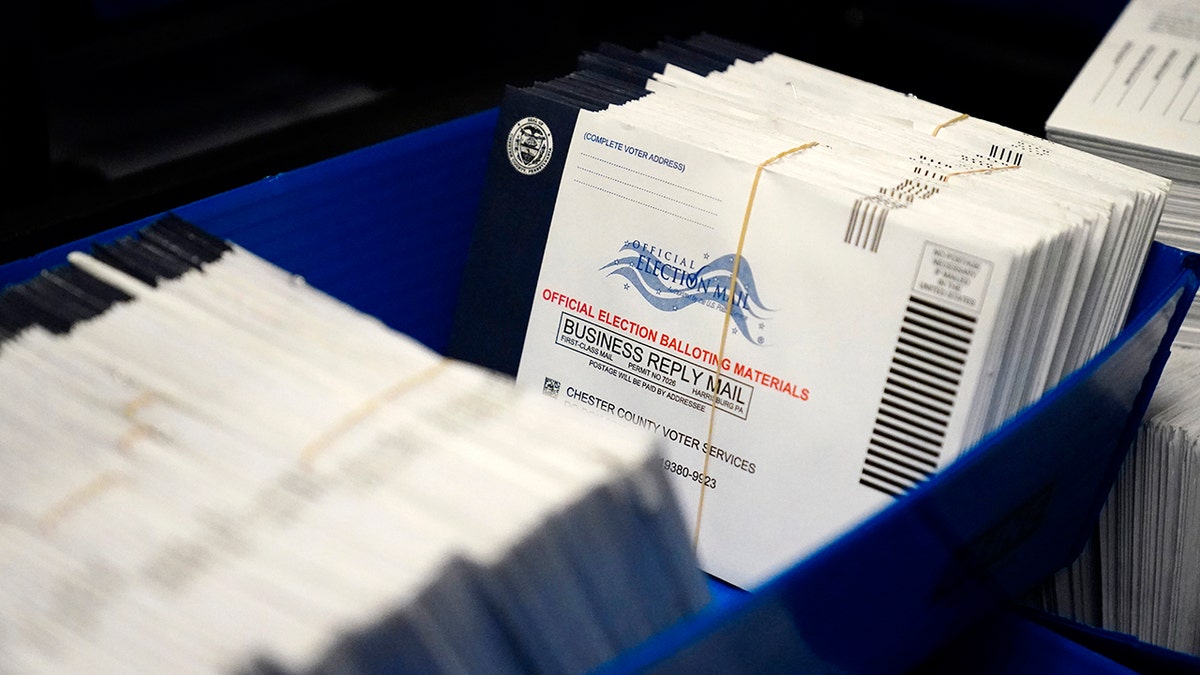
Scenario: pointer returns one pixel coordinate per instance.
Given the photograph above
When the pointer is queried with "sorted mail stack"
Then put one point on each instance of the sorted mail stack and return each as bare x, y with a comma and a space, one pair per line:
1149, 579
1139, 574
210, 466
817, 290
1137, 101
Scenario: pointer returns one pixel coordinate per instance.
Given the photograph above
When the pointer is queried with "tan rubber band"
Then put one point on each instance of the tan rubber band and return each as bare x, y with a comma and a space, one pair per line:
309, 453
947, 123
737, 260
74, 500
131, 437
137, 430
140, 401
986, 170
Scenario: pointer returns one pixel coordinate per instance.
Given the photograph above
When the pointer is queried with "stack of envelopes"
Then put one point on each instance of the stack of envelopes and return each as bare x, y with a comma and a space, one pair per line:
211, 466
818, 291
1139, 574
1137, 101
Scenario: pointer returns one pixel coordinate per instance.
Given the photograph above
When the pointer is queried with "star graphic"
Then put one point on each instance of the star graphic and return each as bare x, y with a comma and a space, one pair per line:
762, 325
706, 256
626, 286
735, 332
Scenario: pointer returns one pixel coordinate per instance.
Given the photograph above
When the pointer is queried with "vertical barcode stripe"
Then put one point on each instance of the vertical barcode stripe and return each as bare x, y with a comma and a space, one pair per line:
853, 219
873, 244
864, 229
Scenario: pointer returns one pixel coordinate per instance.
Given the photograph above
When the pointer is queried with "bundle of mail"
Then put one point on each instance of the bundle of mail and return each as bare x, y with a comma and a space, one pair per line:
211, 466
817, 290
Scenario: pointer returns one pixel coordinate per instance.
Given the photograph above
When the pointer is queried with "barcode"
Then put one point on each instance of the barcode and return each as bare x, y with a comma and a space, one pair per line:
867, 218
918, 397
1006, 156
866, 224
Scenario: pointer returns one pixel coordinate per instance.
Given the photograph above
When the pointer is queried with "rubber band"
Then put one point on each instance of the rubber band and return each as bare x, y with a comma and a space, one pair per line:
945, 124
73, 501
131, 438
309, 453
140, 401
984, 170
137, 430
737, 260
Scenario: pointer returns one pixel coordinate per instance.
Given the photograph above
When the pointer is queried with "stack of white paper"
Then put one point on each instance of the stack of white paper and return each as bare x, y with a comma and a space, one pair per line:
209, 466
818, 290
1143, 577
1137, 100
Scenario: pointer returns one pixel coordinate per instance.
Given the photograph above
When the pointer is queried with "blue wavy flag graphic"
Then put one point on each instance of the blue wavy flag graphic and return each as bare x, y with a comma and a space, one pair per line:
670, 288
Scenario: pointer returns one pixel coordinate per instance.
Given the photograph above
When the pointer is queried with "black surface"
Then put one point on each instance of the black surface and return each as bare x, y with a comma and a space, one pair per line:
123, 109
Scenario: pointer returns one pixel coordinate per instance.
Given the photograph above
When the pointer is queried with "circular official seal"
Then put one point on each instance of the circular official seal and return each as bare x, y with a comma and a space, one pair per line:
530, 145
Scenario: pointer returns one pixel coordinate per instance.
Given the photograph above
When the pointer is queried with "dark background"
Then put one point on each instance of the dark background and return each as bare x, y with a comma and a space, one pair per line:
113, 110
